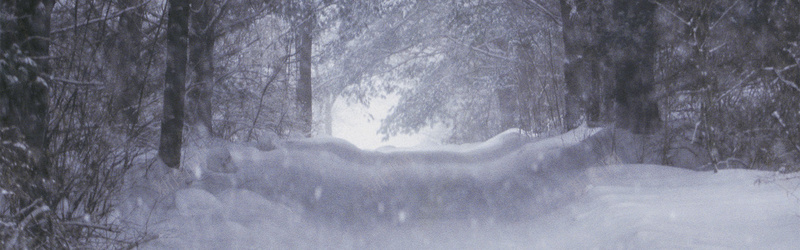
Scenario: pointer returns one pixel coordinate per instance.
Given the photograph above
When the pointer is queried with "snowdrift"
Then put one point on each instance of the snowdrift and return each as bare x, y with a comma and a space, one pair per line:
566, 191
332, 179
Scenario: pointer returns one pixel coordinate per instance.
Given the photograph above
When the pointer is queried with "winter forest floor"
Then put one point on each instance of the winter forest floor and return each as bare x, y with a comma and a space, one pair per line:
509, 192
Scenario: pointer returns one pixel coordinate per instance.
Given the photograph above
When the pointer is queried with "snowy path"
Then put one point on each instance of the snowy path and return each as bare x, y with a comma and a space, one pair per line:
641, 206
328, 195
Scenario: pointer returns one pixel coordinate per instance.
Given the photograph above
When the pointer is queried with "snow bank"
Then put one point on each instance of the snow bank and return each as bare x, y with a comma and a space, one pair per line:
649, 206
333, 179
508, 192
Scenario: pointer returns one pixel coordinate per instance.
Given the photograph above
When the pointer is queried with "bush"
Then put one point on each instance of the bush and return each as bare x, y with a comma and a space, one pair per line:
60, 197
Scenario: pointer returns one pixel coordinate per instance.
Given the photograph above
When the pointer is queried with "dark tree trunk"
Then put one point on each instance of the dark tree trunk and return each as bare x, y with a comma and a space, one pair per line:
202, 60
172, 125
572, 111
303, 43
633, 58
610, 49
128, 84
507, 103
580, 30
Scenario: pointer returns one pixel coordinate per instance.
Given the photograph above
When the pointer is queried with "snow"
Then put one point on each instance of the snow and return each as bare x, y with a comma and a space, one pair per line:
509, 192
649, 206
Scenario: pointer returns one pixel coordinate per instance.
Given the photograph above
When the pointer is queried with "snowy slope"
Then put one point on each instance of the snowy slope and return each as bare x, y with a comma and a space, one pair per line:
509, 192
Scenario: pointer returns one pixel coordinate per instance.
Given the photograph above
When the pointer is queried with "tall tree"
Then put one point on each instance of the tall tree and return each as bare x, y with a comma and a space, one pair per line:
610, 51
586, 65
169, 149
575, 65
303, 41
633, 45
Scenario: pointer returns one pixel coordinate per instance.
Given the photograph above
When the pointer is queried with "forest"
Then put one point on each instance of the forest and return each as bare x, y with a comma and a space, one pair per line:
93, 92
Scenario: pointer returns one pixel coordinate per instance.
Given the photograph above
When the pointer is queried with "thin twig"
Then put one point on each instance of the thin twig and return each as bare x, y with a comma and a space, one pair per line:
723, 15
272, 78
100, 19
784, 80
80, 83
90, 225
673, 13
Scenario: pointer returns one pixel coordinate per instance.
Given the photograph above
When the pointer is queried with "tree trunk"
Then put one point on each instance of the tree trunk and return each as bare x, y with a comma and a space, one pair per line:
577, 39
610, 54
202, 59
303, 43
172, 125
633, 57
507, 103
128, 85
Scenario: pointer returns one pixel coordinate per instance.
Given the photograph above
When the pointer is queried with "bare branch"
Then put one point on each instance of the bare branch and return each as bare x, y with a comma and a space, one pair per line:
687, 23
784, 80
79, 83
723, 15
100, 19
90, 225
216, 17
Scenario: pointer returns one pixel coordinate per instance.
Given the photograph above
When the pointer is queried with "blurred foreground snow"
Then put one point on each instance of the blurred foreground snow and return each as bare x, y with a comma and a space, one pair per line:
509, 192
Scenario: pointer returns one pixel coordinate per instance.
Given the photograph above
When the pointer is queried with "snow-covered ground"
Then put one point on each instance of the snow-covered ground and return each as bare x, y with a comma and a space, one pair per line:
510, 192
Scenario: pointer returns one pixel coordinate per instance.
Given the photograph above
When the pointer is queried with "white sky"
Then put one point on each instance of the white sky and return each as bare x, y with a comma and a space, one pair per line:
353, 123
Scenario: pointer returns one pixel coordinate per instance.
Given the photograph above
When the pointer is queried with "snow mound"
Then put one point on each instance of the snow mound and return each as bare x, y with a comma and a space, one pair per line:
566, 191
650, 206
196, 202
333, 179
246, 207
